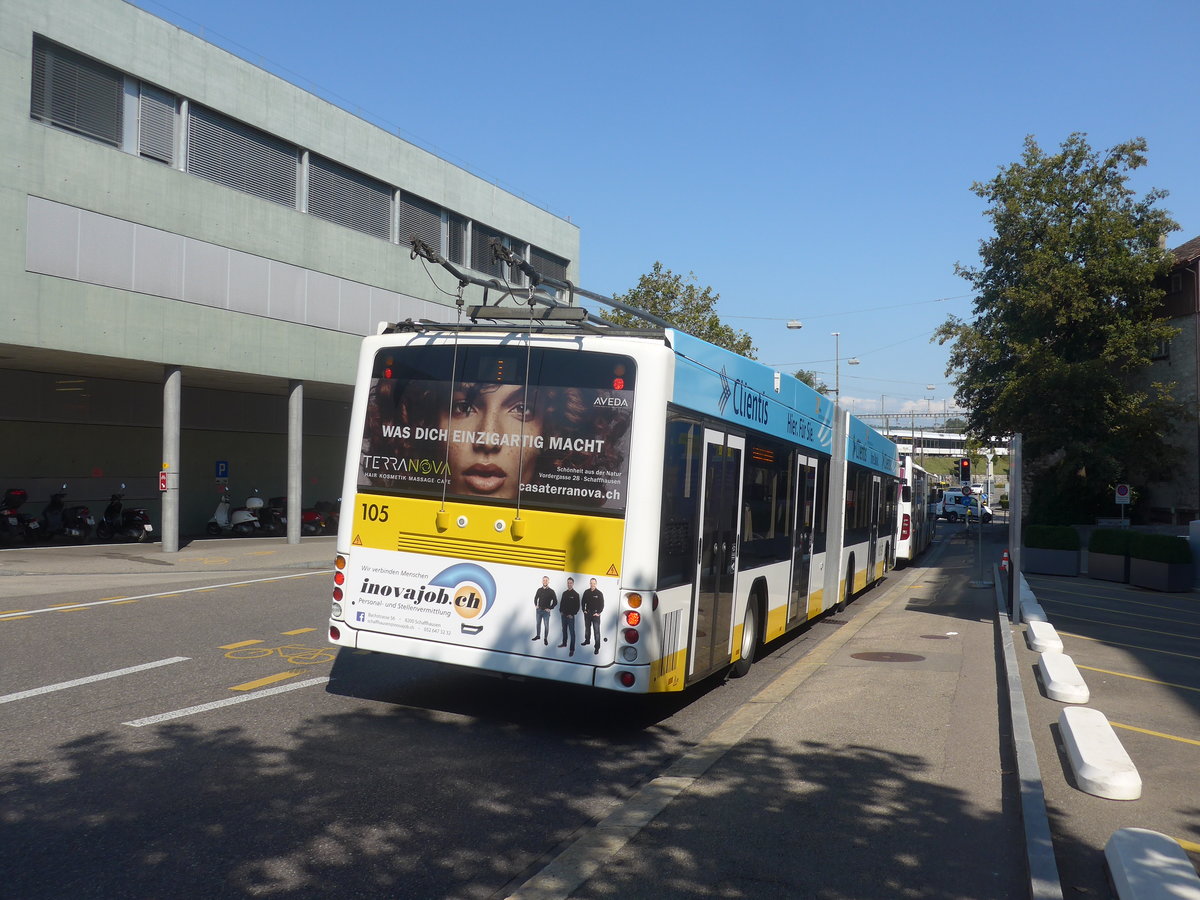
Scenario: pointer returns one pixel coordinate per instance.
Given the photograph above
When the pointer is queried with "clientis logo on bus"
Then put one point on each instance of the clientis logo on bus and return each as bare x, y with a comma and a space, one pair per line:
467, 589
747, 403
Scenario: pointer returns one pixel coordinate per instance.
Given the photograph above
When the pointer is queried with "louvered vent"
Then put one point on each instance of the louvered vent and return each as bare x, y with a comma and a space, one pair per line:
419, 218
156, 128
548, 264
241, 157
349, 198
72, 91
481, 250
456, 251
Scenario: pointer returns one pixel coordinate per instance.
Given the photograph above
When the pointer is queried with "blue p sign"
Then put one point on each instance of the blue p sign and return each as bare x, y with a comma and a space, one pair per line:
222, 468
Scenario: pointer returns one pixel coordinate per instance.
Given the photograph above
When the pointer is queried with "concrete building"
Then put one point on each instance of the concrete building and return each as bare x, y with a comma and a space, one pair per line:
190, 250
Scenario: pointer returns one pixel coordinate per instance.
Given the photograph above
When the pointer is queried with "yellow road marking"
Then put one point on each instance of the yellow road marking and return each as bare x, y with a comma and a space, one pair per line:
1121, 598
106, 599
62, 605
263, 682
1190, 846
14, 618
241, 644
1169, 737
69, 608
123, 602
261, 553
164, 596
1182, 687
1084, 637
9, 612
298, 631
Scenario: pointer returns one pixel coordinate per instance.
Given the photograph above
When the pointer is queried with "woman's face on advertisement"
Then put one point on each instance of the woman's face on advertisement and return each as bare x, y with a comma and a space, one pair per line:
479, 462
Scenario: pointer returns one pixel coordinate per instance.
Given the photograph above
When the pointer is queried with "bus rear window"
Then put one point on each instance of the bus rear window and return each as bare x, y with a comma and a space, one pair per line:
474, 426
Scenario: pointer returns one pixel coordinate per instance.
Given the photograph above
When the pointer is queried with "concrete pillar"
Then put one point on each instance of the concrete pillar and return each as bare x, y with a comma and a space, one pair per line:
172, 393
295, 484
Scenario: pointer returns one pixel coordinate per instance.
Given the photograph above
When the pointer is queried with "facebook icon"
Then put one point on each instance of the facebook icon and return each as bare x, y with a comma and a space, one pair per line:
360, 616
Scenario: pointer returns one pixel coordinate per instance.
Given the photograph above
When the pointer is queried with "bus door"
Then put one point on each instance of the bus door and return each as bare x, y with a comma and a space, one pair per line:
716, 561
873, 541
806, 518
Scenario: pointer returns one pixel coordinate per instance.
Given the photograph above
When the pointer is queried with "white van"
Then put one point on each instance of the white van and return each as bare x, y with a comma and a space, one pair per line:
956, 505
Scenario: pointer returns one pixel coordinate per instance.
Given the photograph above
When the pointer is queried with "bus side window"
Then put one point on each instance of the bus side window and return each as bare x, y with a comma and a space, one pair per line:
682, 466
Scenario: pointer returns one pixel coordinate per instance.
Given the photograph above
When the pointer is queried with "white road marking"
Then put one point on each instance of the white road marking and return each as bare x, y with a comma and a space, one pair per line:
208, 587
217, 704
61, 686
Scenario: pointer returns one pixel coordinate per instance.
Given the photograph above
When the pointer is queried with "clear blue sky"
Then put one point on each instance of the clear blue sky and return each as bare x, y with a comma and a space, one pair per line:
807, 161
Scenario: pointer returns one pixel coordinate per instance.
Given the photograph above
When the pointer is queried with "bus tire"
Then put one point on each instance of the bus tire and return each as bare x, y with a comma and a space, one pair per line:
952, 517
849, 592
749, 638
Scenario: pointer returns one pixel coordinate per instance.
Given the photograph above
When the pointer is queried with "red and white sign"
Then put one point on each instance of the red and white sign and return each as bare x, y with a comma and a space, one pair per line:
162, 481
1122, 493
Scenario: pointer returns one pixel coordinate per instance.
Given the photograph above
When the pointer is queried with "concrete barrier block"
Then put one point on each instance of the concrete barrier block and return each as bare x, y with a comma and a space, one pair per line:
1061, 678
1146, 865
1041, 637
1099, 762
1031, 611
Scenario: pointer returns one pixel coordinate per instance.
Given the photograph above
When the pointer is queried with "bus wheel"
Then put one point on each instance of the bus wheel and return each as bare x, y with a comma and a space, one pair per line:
845, 601
749, 638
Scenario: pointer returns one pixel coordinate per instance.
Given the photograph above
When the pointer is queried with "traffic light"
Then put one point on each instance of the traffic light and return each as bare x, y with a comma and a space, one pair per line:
964, 470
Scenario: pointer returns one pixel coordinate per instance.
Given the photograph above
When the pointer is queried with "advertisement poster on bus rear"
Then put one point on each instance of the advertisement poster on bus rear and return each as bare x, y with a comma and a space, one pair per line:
548, 614
559, 436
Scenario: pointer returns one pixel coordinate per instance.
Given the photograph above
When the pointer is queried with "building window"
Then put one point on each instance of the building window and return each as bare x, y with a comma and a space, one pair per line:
238, 156
1176, 282
547, 264
1162, 351
419, 219
482, 259
76, 93
156, 124
457, 235
341, 195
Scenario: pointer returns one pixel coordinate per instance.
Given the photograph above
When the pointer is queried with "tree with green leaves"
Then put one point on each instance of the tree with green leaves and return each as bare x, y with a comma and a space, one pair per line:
683, 303
810, 378
1067, 315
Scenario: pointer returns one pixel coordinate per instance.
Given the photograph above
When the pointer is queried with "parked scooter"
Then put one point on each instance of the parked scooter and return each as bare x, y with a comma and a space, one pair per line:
321, 519
117, 522
13, 523
242, 520
75, 522
272, 518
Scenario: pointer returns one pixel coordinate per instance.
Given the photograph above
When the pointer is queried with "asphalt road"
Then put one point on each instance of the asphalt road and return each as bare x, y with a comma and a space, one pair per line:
195, 735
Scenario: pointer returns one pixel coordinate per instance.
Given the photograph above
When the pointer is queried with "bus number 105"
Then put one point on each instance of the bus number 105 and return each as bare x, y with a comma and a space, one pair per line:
374, 512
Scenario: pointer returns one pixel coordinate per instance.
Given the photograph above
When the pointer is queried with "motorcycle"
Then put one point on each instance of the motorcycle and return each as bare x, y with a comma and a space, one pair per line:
132, 524
75, 522
13, 523
321, 519
242, 520
272, 518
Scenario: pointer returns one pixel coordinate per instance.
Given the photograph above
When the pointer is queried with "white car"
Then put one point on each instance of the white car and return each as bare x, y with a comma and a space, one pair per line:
956, 505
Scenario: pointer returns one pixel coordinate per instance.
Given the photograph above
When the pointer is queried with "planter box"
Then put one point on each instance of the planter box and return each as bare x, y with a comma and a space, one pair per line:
1160, 576
1108, 566
1038, 561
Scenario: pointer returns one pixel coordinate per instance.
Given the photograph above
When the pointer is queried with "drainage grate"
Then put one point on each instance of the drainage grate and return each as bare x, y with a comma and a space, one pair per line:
887, 656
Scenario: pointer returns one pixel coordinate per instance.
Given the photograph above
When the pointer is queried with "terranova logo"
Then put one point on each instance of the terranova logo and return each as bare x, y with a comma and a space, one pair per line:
726, 391
473, 591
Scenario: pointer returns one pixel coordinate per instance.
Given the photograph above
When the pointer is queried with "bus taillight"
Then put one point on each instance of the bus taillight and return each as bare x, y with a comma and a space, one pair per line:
631, 635
337, 594
334, 633
339, 577
634, 600
339, 562
633, 618
627, 679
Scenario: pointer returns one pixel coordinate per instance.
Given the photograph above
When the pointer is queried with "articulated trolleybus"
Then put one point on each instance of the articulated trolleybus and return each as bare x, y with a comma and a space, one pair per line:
914, 525
632, 509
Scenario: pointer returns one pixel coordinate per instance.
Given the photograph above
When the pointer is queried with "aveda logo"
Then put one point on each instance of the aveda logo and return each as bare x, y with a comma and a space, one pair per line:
610, 401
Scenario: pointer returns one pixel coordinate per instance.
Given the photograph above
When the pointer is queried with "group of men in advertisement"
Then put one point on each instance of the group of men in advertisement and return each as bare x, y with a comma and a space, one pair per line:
569, 604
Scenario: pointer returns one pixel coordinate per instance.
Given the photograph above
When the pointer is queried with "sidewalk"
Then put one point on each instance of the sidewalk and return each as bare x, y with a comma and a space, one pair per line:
874, 767
58, 567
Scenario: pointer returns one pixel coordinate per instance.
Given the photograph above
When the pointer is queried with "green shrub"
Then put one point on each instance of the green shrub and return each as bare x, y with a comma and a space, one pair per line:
1051, 537
1115, 541
1164, 548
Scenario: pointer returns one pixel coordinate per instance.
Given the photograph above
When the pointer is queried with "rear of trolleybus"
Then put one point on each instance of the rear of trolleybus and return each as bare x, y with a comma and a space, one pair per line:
497, 517
871, 495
